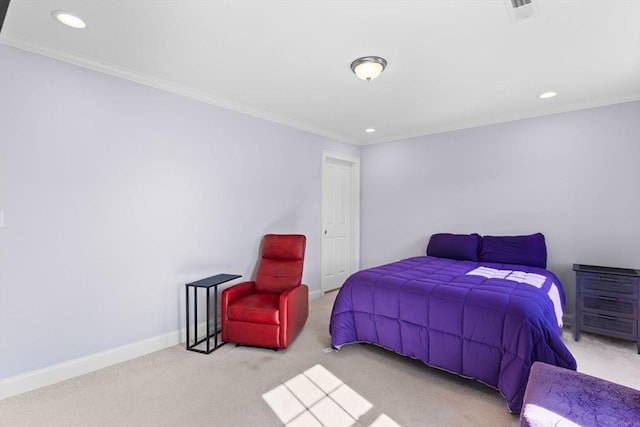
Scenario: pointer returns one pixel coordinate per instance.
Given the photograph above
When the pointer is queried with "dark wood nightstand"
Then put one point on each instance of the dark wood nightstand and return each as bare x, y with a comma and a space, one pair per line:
607, 302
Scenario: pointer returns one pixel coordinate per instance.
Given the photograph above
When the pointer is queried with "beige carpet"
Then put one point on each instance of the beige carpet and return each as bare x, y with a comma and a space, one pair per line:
175, 387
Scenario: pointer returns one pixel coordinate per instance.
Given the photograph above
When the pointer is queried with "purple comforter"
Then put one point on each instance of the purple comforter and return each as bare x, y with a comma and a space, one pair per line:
484, 321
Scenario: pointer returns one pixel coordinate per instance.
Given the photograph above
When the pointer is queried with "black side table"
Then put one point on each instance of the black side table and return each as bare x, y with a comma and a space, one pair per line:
208, 283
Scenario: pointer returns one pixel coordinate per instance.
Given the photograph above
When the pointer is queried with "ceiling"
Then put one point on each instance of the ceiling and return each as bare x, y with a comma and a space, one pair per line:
452, 64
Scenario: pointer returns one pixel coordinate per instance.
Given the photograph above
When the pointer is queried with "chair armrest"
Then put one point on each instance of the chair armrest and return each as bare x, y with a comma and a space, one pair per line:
294, 310
296, 295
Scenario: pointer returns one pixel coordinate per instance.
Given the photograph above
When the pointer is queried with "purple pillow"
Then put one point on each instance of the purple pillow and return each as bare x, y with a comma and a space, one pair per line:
524, 250
462, 247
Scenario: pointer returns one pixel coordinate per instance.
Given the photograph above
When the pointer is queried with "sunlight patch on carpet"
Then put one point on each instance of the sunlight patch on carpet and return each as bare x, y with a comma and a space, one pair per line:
317, 398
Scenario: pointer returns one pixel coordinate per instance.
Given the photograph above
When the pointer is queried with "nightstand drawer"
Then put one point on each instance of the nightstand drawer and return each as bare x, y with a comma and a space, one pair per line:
610, 325
610, 305
609, 284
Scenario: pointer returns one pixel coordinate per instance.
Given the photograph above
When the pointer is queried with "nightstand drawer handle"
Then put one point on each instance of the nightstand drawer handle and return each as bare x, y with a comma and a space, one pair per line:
608, 279
608, 299
607, 317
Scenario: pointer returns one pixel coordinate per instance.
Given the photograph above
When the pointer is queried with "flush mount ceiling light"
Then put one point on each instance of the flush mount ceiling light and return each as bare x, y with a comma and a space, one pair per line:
370, 130
368, 67
547, 95
69, 20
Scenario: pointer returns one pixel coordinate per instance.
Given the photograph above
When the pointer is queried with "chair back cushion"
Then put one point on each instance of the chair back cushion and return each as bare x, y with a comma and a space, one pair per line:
281, 263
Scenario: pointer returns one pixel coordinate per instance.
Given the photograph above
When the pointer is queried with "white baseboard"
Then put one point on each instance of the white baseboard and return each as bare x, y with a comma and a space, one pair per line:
62, 371
315, 294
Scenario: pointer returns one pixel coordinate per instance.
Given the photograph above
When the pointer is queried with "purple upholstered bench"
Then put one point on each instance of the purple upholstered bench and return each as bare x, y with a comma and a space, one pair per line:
561, 397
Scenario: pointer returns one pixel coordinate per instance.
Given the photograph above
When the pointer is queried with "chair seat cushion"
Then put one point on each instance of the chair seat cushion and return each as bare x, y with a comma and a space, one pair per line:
256, 308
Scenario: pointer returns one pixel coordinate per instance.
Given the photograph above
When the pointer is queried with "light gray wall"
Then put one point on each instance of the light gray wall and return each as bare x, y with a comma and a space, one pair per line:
116, 194
574, 177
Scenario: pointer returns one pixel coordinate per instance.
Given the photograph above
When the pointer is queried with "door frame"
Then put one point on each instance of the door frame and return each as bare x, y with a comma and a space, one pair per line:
355, 210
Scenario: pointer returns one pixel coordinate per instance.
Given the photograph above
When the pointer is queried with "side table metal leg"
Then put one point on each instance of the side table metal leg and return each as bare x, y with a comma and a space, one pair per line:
195, 314
187, 299
215, 318
208, 316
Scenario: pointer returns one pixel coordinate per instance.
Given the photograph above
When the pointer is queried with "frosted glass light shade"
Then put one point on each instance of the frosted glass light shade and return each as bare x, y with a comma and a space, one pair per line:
368, 67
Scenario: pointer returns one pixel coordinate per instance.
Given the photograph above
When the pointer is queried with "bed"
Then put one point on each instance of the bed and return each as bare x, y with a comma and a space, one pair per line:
484, 308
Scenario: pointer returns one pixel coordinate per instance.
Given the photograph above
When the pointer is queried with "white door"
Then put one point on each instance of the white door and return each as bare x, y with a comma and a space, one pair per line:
340, 219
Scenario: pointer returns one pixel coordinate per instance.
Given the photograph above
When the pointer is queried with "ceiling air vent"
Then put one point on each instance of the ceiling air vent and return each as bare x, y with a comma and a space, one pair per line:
519, 9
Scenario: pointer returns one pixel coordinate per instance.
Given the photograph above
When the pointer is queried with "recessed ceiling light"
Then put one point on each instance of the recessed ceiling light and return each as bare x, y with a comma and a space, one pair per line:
69, 20
547, 95
370, 130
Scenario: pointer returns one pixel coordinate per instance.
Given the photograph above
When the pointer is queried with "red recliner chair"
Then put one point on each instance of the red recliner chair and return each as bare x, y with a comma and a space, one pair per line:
271, 310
